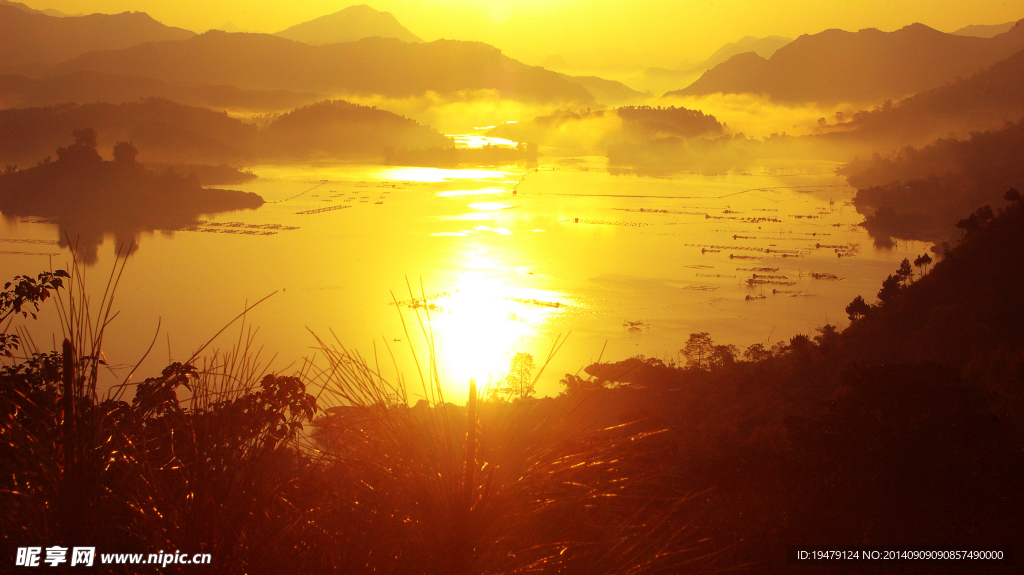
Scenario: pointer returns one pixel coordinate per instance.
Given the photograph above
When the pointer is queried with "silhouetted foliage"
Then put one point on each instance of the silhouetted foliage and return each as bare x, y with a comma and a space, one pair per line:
698, 351
858, 309
16, 298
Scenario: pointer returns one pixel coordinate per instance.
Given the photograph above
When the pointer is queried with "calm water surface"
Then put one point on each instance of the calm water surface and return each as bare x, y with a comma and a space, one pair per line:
575, 251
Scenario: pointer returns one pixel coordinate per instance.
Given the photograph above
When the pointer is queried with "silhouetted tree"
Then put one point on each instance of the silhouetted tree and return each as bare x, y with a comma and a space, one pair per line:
923, 261
518, 382
890, 289
858, 309
905, 272
722, 356
1012, 195
979, 219
827, 337
125, 153
85, 137
801, 345
756, 352
697, 350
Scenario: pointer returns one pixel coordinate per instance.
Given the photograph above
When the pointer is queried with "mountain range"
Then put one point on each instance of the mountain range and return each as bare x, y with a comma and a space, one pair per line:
30, 42
45, 11
380, 66
866, 66
984, 30
352, 23
83, 87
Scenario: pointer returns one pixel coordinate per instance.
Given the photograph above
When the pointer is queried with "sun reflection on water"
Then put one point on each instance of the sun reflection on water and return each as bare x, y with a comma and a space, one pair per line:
487, 319
436, 175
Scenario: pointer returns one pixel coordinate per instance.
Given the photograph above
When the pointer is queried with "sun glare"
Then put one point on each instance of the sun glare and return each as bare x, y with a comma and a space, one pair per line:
435, 175
487, 319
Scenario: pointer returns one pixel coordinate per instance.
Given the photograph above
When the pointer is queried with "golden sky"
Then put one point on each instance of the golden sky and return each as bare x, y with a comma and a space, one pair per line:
664, 32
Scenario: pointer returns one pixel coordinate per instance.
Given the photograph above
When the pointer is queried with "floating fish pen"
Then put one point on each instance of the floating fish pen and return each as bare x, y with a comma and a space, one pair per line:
229, 231
736, 257
537, 302
28, 241
424, 302
278, 227
698, 266
636, 324
768, 270
37, 221
769, 277
700, 288
321, 210
715, 276
15, 253
825, 276
757, 220
752, 297
654, 211
743, 248
707, 251
761, 282
605, 222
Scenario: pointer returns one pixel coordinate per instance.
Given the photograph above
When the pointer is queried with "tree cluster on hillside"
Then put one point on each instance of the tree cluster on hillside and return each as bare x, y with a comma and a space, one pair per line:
908, 425
598, 129
920, 194
167, 132
982, 101
89, 198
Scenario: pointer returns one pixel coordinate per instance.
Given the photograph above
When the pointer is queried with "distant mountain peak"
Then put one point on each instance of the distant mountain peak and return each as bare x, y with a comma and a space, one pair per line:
352, 23
985, 30
868, 66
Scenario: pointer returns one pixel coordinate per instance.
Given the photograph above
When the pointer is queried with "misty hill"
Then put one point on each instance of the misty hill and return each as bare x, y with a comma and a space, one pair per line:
866, 66
352, 23
921, 194
607, 92
599, 129
88, 87
980, 102
383, 66
45, 12
171, 133
984, 30
663, 79
89, 198
338, 129
763, 47
31, 42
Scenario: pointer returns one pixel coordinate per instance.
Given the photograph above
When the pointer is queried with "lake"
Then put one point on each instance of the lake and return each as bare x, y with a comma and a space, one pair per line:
627, 263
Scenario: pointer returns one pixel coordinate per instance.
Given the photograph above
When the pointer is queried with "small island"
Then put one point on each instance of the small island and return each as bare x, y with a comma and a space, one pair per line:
89, 198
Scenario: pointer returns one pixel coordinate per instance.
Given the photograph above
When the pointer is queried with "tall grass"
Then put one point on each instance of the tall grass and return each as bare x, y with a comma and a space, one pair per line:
217, 455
